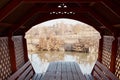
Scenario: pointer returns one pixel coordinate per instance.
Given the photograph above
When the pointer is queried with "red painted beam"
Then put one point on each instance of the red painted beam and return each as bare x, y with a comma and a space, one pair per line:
60, 1
25, 48
100, 49
6, 25
101, 20
12, 53
114, 53
25, 19
4, 12
111, 6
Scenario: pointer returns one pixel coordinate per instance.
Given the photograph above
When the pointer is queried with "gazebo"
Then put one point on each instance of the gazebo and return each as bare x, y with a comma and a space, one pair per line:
18, 16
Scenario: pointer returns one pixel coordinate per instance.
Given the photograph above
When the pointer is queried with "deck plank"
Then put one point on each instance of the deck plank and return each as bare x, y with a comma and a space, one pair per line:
80, 74
63, 71
69, 71
74, 71
38, 76
58, 72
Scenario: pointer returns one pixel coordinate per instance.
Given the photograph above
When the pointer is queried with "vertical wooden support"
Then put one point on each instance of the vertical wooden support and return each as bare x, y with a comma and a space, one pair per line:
25, 48
100, 49
12, 53
114, 53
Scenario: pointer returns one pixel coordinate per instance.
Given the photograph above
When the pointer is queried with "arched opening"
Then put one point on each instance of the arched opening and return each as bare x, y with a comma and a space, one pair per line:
63, 39
18, 16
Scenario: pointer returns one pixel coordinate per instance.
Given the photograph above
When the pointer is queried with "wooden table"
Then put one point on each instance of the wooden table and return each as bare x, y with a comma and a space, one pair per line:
63, 71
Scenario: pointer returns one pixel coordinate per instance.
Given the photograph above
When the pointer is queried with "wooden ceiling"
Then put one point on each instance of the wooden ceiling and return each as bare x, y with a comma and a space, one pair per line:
18, 16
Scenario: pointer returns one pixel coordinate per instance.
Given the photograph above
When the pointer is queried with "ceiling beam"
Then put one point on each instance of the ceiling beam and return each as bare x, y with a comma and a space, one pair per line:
24, 19
117, 25
12, 5
36, 10
48, 10
60, 1
101, 20
6, 25
111, 6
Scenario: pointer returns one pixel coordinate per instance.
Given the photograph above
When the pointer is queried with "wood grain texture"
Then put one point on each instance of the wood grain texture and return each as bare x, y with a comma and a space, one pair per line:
101, 72
63, 71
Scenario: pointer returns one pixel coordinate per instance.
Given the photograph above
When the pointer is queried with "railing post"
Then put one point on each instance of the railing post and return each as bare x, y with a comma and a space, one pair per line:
12, 53
114, 53
100, 49
25, 48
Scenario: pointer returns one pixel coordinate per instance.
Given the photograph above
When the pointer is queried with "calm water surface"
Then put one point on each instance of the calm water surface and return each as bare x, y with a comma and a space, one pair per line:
41, 60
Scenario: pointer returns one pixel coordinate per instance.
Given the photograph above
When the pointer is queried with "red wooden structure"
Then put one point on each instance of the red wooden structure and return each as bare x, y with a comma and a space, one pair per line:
18, 16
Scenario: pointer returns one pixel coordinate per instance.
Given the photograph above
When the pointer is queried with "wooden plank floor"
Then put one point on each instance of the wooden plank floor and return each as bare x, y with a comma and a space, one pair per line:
63, 71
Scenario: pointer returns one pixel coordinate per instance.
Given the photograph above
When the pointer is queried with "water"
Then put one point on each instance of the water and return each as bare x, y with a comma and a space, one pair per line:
41, 60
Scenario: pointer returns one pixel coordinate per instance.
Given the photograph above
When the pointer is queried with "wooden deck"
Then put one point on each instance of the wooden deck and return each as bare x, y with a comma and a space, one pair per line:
63, 71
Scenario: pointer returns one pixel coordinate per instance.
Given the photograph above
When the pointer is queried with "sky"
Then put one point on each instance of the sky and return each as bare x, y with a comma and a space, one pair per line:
54, 21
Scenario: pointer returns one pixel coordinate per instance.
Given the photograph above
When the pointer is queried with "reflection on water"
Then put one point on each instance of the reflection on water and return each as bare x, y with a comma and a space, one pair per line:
41, 60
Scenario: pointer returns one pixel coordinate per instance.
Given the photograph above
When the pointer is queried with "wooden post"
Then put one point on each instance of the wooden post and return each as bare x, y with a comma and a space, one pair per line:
25, 48
114, 54
12, 53
100, 49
